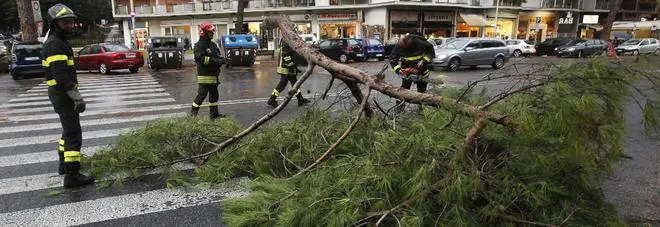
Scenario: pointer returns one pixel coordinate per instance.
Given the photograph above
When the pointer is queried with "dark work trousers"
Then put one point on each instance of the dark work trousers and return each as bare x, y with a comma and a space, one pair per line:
284, 79
421, 86
212, 91
71, 141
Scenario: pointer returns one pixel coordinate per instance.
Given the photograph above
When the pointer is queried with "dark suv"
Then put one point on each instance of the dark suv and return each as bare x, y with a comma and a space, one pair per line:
549, 46
583, 49
25, 59
342, 50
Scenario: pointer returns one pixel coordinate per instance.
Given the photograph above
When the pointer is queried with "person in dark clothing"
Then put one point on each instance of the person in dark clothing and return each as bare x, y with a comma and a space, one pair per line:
59, 68
209, 61
288, 71
410, 59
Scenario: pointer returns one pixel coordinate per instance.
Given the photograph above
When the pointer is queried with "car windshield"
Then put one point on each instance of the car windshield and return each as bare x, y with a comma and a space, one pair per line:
28, 48
632, 42
115, 48
374, 42
456, 44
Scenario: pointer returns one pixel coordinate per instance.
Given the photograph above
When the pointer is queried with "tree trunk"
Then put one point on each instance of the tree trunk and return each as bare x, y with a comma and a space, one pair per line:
239, 17
28, 27
615, 6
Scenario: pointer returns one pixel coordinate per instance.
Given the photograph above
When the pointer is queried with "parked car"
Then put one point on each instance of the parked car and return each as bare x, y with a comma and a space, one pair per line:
105, 57
549, 46
342, 50
639, 46
372, 49
471, 52
388, 46
582, 49
309, 39
25, 59
5, 58
519, 48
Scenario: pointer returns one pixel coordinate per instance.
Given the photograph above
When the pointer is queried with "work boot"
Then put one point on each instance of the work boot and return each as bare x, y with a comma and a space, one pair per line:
76, 180
214, 113
194, 111
61, 170
302, 101
272, 102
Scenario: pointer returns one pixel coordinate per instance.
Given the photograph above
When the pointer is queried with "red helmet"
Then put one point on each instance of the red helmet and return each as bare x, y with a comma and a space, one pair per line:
205, 27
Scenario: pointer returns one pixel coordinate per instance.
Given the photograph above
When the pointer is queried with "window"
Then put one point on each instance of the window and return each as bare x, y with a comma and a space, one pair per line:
654, 41
512, 42
353, 42
85, 50
115, 48
325, 44
96, 50
374, 42
491, 44
474, 44
645, 42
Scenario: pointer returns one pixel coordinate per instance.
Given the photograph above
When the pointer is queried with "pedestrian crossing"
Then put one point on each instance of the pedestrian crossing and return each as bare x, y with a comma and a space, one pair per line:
31, 192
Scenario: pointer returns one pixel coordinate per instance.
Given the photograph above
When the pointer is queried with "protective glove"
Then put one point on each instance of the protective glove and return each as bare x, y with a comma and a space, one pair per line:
78, 102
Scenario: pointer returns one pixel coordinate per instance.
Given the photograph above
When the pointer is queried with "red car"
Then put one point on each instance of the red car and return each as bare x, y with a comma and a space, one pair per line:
105, 57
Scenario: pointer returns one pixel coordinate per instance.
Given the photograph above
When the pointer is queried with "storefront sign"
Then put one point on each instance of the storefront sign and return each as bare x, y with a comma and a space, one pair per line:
338, 16
435, 16
568, 20
404, 16
590, 19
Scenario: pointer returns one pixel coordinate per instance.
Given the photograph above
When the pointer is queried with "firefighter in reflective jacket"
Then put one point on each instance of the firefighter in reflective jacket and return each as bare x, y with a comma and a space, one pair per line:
209, 61
62, 81
288, 71
411, 59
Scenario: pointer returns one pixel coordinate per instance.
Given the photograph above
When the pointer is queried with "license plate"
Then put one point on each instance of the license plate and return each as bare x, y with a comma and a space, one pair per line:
130, 55
237, 53
379, 55
359, 55
32, 59
619, 50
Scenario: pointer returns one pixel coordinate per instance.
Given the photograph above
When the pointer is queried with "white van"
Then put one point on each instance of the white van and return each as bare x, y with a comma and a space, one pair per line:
309, 39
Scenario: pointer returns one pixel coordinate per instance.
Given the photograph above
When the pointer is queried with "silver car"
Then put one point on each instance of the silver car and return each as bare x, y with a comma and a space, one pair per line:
471, 52
639, 46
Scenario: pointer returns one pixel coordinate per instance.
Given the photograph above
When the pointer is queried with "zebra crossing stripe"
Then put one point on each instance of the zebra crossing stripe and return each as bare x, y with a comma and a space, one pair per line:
91, 94
88, 91
87, 123
123, 206
104, 99
99, 87
103, 81
40, 157
54, 180
92, 106
122, 110
32, 140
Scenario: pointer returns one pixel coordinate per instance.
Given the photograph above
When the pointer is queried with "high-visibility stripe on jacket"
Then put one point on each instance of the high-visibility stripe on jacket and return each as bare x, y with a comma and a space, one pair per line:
208, 64
286, 65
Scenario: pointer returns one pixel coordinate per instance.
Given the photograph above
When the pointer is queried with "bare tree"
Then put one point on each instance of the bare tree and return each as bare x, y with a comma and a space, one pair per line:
239, 17
615, 7
26, 18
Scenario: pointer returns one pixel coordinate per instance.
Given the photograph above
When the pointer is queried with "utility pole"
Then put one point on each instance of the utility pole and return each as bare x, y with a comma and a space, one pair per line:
497, 12
26, 18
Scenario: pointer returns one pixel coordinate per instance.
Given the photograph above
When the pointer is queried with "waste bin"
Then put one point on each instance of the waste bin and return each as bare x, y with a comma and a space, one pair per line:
240, 49
165, 52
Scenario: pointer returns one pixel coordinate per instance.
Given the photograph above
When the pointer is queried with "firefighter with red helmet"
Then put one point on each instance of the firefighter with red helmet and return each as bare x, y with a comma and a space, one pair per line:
209, 61
62, 80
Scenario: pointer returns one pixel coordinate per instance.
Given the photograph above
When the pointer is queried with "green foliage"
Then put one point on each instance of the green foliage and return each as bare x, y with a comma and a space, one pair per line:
546, 170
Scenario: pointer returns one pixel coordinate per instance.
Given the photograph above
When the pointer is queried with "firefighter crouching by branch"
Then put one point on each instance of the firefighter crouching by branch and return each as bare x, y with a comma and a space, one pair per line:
411, 59
208, 61
288, 71
62, 81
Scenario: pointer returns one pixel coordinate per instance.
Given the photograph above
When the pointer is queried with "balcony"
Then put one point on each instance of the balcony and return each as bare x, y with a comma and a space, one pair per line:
507, 3
228, 5
561, 4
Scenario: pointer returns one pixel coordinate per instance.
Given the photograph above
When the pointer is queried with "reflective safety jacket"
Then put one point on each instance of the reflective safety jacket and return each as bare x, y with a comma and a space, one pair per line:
208, 64
59, 69
418, 50
286, 65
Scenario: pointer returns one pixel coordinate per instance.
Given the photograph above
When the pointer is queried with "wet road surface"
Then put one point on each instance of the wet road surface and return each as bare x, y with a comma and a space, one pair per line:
31, 190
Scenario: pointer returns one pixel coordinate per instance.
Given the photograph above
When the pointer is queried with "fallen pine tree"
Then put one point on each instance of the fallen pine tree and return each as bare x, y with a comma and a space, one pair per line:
533, 155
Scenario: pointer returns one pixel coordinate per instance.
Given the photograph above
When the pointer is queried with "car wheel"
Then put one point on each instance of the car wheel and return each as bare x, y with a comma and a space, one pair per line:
381, 59
517, 53
103, 69
343, 58
635, 53
454, 64
498, 63
16, 76
473, 67
134, 70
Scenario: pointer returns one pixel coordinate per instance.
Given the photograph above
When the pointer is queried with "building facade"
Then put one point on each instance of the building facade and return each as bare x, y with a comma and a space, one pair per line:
381, 19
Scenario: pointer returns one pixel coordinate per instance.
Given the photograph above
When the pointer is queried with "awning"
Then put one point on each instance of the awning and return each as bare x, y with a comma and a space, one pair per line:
596, 27
475, 20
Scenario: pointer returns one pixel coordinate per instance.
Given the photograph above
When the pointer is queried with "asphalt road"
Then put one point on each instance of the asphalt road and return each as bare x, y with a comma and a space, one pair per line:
31, 192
